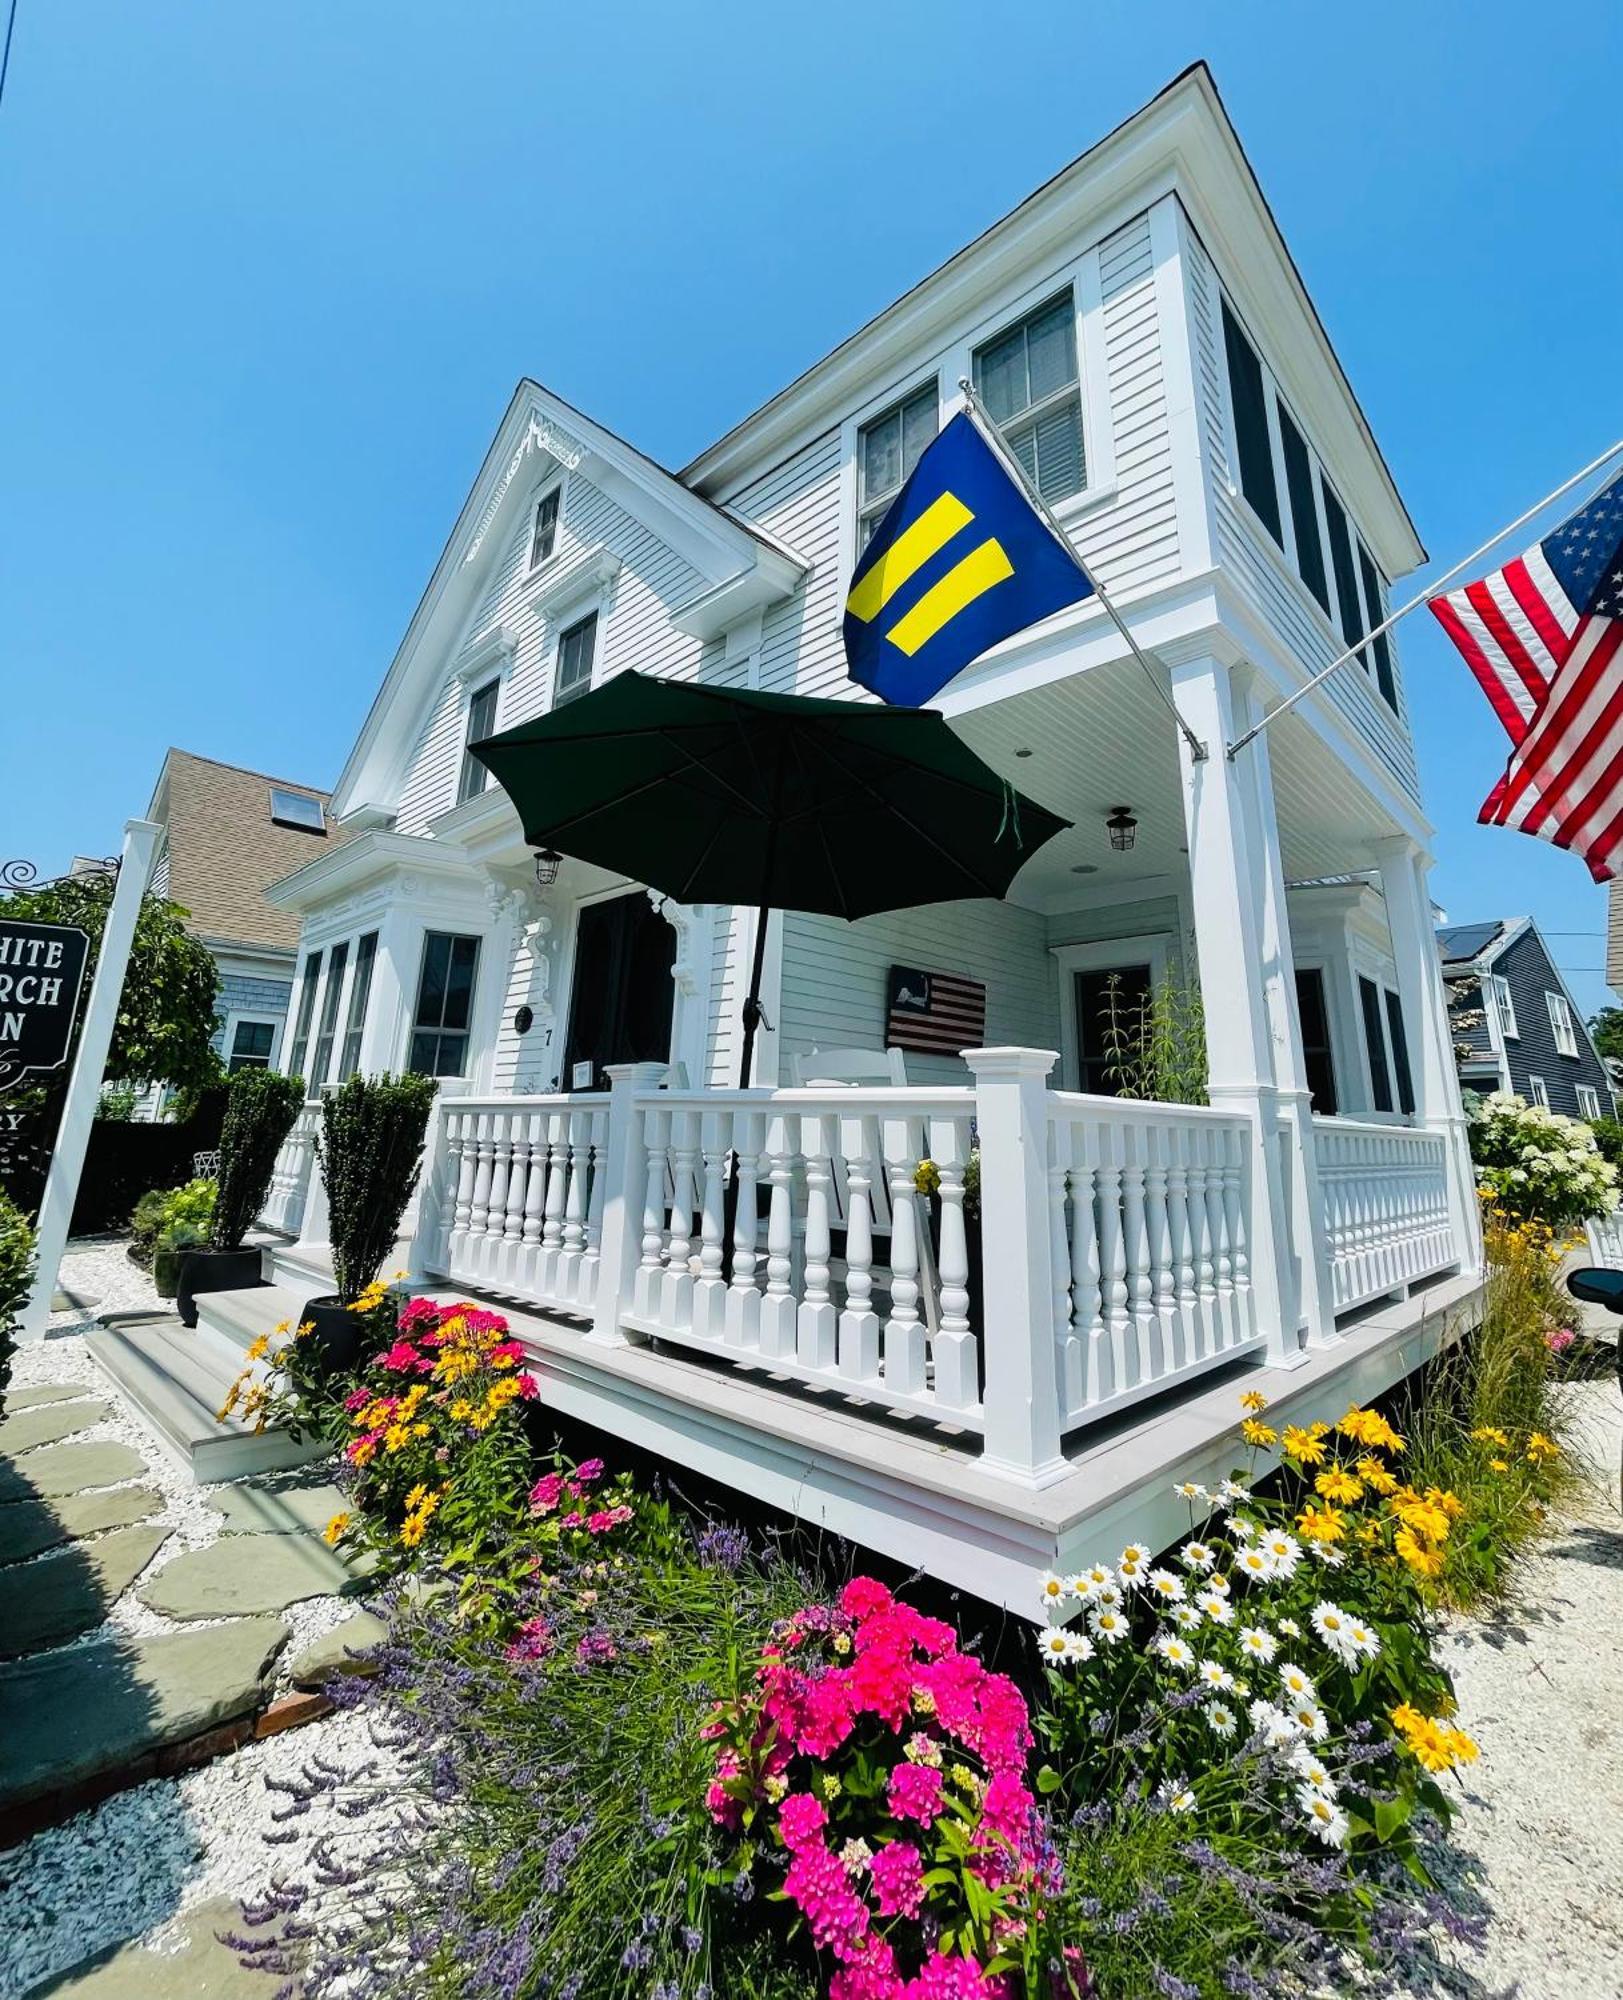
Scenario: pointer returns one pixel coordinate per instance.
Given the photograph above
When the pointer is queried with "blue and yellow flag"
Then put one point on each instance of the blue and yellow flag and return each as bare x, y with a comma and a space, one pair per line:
961, 560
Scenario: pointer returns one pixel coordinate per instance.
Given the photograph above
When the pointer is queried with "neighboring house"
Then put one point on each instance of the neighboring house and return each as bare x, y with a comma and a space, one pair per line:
228, 834
1614, 936
1523, 1030
1142, 334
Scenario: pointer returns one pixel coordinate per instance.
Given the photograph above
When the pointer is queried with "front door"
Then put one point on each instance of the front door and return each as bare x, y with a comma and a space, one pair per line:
621, 994
1111, 1005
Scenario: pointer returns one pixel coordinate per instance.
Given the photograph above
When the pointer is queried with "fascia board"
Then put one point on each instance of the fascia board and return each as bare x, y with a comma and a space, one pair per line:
360, 861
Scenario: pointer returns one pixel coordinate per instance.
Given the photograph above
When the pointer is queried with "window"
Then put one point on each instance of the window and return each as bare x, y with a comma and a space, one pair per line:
306, 1014
1249, 401
1376, 613
360, 992
1341, 562
1538, 1092
1588, 1101
1380, 1076
1496, 991
1566, 1035
439, 1029
1400, 1054
575, 651
545, 538
296, 809
1304, 514
251, 1045
321, 1067
481, 723
887, 451
1316, 1055
1027, 379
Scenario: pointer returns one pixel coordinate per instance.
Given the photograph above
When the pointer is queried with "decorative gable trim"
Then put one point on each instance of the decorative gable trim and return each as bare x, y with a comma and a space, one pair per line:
491, 653
541, 435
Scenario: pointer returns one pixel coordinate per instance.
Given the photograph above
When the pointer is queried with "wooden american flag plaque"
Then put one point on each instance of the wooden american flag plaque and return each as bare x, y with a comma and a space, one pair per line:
935, 1013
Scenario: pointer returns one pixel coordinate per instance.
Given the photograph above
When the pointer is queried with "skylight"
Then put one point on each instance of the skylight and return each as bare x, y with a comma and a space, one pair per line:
296, 809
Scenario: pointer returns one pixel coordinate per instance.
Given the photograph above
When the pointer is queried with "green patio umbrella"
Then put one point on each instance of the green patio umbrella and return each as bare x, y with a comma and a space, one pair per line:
777, 801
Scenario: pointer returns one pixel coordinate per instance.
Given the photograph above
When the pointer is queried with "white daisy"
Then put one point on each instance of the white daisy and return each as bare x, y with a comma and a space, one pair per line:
1325, 1817
1190, 1489
1107, 1597
1286, 1551
1308, 1768
1175, 1651
1054, 1645
1129, 1574
1176, 1796
1362, 1640
1272, 1724
1136, 1554
1221, 1719
1326, 1556
1216, 1607
1334, 1627
1241, 1525
1310, 1719
1088, 1583
1051, 1588
1220, 1584
1255, 1564
1185, 1617
1290, 1628
1109, 1625
1217, 1676
1232, 1494
1197, 1555
1297, 1684
1078, 1646
1164, 1586
1259, 1644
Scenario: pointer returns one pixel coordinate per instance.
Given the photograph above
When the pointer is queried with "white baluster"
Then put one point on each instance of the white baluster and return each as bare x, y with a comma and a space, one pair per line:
710, 1287
517, 1177
1087, 1294
586, 1285
904, 1332
1234, 1222
479, 1211
467, 1159
816, 1322
1222, 1260
677, 1308
778, 1307
1059, 1250
1206, 1323
956, 1349
1136, 1249
1113, 1255
859, 1323
574, 1243
1164, 1357
552, 1218
535, 1195
647, 1287
743, 1317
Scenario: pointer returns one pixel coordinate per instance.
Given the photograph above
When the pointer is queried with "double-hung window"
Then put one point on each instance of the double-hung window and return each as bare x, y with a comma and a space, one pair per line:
887, 451
360, 992
444, 1011
575, 650
251, 1045
305, 1016
1317, 1057
544, 537
1588, 1101
1249, 398
1539, 1092
1304, 511
1376, 611
1496, 992
1027, 378
1566, 1035
481, 723
321, 1066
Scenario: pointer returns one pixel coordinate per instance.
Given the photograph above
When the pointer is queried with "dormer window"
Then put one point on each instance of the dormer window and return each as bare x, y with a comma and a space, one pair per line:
296, 809
544, 537
887, 451
481, 723
1027, 378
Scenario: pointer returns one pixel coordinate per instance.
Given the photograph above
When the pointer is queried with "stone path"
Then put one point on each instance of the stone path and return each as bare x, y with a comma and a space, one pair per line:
68, 1592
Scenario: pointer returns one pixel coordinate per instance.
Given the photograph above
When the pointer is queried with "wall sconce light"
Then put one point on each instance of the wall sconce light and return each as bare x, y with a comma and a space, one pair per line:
1122, 826
547, 863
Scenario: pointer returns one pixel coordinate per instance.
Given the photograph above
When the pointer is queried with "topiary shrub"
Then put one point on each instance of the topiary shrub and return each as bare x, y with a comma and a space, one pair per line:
260, 1111
370, 1149
16, 1282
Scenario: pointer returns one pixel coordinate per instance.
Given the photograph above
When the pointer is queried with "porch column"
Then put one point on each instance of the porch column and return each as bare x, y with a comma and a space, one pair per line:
1233, 855
1405, 869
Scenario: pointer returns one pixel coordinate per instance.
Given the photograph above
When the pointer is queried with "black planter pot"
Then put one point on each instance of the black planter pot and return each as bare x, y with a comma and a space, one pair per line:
213, 1271
337, 1332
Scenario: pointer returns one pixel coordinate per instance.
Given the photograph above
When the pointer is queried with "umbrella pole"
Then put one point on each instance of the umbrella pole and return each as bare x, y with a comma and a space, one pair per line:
752, 1003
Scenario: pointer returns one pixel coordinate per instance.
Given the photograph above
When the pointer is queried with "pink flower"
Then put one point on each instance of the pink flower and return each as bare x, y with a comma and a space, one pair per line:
898, 1879
801, 1819
357, 1399
914, 1792
835, 1914
506, 1350
594, 1648
401, 1359
415, 1310
574, 1520
528, 1388
544, 1493
1559, 1339
606, 1518
863, 1596
532, 1641
586, 1472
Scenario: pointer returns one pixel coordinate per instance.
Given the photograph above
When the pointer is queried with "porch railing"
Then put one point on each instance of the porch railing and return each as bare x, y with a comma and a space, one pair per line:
290, 1177
1385, 1195
1605, 1233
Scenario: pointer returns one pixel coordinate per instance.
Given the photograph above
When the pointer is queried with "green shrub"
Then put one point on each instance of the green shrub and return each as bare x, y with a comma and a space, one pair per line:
370, 1150
261, 1107
164, 1208
117, 1103
16, 1281
1609, 1137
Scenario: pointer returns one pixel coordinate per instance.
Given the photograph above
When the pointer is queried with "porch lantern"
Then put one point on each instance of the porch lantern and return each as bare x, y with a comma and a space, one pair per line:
1122, 827
547, 863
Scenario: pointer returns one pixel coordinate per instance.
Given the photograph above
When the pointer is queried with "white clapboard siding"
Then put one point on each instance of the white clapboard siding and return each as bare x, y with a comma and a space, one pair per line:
801, 647
834, 978
1257, 568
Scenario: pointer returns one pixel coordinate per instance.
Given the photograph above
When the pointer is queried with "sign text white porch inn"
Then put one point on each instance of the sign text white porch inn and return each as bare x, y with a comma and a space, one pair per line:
42, 968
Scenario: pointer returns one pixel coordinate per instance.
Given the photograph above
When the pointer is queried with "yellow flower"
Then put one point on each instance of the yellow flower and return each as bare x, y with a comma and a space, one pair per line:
396, 1437
299, 1332
416, 1494
258, 1349
335, 1528
413, 1531
1303, 1445
1371, 1428
363, 1452
1375, 1476
1337, 1484
1423, 1561
1258, 1434
1491, 1434
1438, 1746
1498, 1465
1540, 1447
1253, 1399
282, 1326
1320, 1524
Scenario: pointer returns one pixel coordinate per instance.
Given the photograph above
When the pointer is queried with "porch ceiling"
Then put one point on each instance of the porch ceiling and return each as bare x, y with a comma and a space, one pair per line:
1102, 739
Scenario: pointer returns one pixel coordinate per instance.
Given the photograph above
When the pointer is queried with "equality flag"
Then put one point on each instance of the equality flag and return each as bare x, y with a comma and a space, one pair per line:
1542, 635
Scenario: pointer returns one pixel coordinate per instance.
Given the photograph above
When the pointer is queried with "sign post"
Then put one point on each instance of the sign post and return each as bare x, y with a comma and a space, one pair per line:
141, 837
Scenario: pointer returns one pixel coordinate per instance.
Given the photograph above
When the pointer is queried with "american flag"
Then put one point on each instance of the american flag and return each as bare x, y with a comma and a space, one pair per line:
1542, 636
935, 1013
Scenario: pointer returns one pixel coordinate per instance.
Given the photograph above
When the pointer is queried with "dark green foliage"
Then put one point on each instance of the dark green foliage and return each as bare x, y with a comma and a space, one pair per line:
260, 1111
1609, 1131
1606, 1030
16, 1281
370, 1150
166, 1018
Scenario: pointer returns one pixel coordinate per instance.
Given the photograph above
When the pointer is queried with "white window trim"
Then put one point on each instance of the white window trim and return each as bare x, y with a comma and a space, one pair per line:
1562, 1025
1504, 1005
930, 380
1156, 946
577, 617
1588, 1095
1538, 1092
556, 483
472, 687
254, 1017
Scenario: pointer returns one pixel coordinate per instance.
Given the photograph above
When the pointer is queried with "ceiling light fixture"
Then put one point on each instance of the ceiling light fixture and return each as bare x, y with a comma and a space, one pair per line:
1122, 826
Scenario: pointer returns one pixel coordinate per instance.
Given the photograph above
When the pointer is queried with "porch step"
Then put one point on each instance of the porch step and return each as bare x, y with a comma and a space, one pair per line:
178, 1382
232, 1321
305, 1268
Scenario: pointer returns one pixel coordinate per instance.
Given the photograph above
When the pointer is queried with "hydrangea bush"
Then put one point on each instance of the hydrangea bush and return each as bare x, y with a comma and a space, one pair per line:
1539, 1166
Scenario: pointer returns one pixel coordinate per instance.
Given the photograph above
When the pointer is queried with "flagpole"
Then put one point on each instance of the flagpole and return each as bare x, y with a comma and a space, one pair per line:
1423, 596
986, 424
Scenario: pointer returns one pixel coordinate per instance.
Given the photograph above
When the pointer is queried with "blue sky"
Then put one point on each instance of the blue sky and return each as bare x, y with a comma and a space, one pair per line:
270, 272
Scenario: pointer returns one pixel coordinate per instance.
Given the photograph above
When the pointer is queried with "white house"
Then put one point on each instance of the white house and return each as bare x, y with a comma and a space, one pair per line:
1144, 338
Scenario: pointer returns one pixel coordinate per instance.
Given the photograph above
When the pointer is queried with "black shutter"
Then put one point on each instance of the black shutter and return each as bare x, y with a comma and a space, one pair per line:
1380, 1077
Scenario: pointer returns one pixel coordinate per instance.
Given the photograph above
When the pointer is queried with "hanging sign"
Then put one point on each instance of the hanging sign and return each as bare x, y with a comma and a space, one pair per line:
42, 971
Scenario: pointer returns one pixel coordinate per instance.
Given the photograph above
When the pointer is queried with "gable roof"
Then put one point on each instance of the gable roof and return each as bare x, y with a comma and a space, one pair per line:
223, 849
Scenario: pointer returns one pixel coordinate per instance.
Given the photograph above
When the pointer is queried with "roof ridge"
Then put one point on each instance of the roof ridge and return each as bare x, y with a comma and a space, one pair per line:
248, 771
